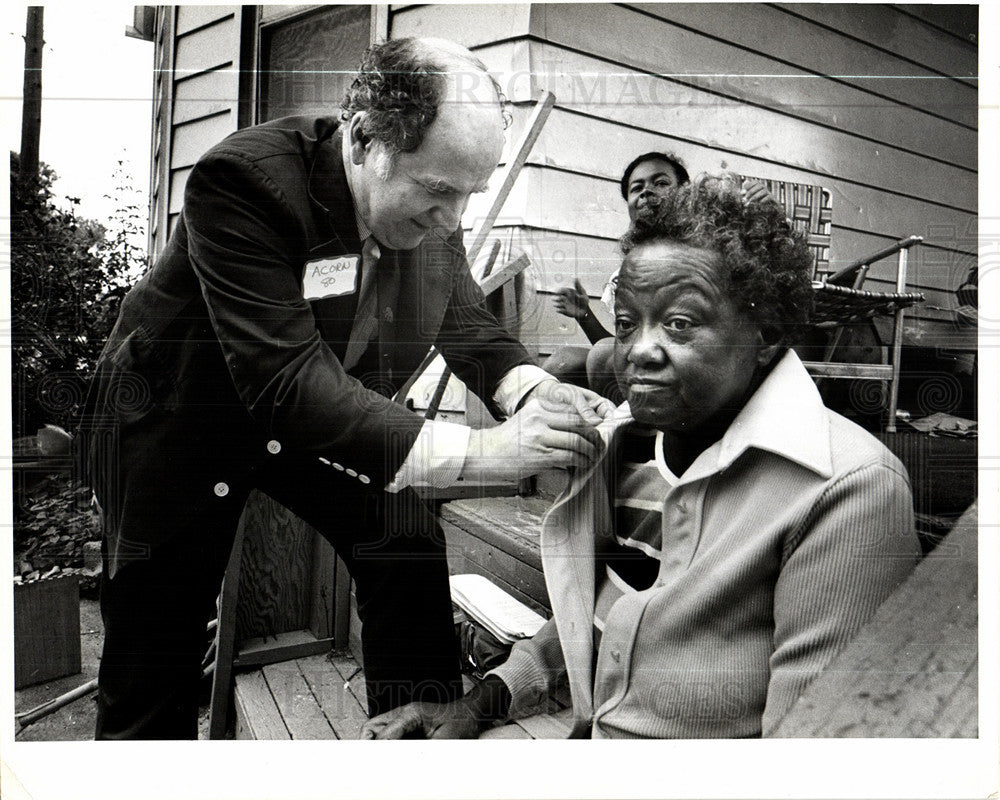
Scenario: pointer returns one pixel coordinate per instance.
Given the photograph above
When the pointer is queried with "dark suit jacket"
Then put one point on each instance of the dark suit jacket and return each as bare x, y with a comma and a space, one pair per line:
216, 357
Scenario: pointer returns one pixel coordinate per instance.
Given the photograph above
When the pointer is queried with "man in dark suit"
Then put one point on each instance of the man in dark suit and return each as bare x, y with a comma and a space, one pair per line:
314, 263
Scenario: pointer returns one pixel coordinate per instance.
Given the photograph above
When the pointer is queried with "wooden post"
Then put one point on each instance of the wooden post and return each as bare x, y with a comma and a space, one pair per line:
31, 112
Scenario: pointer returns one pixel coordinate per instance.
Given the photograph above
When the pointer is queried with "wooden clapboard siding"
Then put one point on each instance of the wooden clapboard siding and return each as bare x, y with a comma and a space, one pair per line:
903, 36
206, 94
162, 103
580, 143
602, 89
193, 138
579, 203
775, 42
197, 95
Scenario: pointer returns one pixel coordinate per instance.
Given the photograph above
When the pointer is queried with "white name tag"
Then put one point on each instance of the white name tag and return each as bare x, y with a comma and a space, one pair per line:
330, 277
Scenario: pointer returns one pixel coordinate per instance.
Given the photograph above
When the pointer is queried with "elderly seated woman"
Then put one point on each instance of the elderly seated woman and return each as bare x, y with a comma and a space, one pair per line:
736, 534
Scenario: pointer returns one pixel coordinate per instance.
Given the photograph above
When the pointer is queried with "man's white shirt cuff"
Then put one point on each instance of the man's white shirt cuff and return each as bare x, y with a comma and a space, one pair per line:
436, 458
516, 384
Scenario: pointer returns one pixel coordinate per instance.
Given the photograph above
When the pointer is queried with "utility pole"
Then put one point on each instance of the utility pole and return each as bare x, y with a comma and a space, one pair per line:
31, 114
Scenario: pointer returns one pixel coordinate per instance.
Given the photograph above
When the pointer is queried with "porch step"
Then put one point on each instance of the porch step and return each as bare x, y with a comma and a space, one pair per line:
498, 537
323, 697
317, 697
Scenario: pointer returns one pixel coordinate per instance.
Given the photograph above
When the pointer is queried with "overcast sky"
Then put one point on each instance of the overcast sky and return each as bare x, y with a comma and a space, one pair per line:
96, 87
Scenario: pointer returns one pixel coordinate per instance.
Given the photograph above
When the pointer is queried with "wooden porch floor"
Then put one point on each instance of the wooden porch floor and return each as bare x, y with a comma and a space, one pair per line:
323, 697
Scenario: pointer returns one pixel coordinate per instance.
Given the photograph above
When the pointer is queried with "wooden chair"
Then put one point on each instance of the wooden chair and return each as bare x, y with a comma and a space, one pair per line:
840, 300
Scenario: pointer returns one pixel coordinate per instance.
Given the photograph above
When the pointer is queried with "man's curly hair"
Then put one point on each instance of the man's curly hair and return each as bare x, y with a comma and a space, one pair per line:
767, 262
399, 86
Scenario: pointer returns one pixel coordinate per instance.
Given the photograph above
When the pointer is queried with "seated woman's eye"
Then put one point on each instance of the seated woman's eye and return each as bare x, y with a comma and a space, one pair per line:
623, 326
678, 324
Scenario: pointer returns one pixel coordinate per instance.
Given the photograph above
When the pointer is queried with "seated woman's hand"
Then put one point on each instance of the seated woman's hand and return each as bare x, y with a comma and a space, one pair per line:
456, 720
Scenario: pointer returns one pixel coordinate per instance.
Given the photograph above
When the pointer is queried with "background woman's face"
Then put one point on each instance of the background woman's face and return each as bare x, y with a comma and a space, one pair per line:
684, 353
649, 181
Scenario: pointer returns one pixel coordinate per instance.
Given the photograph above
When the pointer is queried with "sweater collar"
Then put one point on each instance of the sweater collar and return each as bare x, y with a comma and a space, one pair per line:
785, 416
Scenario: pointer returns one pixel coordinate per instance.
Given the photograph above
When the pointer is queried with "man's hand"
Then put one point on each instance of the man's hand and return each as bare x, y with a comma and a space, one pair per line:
554, 430
572, 301
455, 720
592, 407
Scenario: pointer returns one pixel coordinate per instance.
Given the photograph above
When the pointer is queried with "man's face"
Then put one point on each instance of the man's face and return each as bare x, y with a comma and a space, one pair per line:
683, 351
404, 198
649, 181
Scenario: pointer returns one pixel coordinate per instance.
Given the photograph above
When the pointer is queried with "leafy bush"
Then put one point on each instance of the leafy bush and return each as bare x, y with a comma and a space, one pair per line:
68, 276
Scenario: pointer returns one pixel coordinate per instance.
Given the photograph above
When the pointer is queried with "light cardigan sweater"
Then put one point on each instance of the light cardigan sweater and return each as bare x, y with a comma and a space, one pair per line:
778, 543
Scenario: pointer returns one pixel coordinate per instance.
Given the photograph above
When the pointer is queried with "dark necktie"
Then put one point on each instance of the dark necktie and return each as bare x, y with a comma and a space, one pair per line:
365, 322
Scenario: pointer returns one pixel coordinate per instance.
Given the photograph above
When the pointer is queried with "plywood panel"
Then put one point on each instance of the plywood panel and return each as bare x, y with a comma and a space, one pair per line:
889, 29
191, 140
814, 49
191, 17
206, 93
275, 577
588, 85
470, 25
207, 47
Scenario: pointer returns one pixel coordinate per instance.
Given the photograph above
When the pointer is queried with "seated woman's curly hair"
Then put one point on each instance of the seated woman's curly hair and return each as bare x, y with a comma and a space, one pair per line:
767, 262
399, 85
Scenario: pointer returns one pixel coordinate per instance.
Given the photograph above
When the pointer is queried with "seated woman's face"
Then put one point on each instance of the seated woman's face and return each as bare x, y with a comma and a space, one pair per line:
684, 353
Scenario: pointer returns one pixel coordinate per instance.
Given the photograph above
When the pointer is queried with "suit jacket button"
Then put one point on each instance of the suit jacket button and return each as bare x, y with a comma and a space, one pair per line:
274, 447
337, 466
221, 489
351, 472
364, 479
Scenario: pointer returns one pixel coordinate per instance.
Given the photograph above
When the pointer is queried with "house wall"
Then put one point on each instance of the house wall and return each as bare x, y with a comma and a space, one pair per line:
876, 103
872, 102
195, 100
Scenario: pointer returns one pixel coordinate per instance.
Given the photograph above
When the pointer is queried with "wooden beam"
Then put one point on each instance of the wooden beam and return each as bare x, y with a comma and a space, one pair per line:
508, 272
225, 641
269, 649
532, 128
876, 372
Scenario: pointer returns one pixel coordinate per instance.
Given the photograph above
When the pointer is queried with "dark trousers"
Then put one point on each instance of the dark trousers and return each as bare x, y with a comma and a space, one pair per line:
156, 609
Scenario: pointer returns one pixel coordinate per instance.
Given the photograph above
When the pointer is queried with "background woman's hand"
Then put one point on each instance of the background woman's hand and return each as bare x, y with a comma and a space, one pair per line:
572, 301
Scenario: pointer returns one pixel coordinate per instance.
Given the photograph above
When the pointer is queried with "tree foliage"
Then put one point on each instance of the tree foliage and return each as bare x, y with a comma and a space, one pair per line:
68, 276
